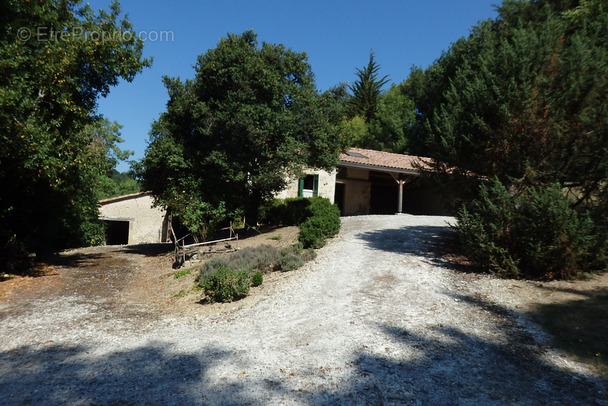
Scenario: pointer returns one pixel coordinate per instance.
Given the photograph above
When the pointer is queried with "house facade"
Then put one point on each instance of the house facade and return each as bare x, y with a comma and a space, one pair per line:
372, 182
133, 219
364, 182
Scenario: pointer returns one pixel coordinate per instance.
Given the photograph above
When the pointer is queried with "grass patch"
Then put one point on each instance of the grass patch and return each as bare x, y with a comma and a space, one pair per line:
181, 293
181, 273
276, 237
579, 329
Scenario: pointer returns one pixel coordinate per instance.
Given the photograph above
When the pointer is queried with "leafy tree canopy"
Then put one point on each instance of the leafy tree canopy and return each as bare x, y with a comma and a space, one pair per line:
56, 59
524, 97
523, 100
230, 136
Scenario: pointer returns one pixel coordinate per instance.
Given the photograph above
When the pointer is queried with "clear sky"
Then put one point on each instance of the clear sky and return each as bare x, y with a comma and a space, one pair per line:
337, 36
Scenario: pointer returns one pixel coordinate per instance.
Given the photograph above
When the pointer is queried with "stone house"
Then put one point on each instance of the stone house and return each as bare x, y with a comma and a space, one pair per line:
372, 182
133, 219
364, 182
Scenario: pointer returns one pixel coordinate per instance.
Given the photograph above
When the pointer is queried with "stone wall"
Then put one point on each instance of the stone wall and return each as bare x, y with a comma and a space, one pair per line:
146, 224
327, 185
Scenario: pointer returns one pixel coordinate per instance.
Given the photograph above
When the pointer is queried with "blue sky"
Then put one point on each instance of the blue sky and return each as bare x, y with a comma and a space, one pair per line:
336, 35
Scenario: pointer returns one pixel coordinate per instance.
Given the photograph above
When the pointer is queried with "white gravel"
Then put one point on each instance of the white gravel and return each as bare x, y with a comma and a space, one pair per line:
377, 318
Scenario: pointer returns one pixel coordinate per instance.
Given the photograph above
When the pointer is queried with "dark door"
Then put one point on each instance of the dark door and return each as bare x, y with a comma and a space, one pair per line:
339, 196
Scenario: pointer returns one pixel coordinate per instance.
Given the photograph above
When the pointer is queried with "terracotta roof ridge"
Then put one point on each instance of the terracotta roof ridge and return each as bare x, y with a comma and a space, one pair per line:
123, 197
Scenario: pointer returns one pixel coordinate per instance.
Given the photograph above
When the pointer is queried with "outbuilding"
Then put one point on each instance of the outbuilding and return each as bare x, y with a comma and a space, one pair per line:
133, 219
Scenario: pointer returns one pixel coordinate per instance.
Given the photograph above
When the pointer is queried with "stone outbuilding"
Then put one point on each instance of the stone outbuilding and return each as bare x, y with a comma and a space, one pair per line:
133, 219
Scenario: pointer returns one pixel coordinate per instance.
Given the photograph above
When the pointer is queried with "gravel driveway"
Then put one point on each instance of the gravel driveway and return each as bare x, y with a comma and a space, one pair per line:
377, 318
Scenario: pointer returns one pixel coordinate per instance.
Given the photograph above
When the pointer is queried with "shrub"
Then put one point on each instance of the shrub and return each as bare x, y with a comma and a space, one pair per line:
262, 257
211, 266
536, 234
226, 285
290, 262
323, 223
257, 279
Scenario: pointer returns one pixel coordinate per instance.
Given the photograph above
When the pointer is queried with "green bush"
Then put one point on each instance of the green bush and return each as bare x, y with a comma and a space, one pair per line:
211, 266
323, 223
535, 234
262, 258
257, 279
317, 218
226, 285
290, 262
286, 212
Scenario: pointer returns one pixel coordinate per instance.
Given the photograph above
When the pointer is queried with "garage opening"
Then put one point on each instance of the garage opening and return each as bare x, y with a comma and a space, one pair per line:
384, 193
117, 232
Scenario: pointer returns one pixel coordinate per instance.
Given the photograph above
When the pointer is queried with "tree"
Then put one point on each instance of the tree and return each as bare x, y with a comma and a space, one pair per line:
376, 119
56, 59
231, 136
366, 91
392, 126
524, 99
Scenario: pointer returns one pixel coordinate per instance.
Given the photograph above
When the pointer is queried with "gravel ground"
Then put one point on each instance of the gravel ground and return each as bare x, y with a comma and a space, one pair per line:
377, 318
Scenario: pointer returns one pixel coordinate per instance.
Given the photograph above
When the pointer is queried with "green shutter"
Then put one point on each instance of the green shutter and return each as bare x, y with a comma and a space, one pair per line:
301, 187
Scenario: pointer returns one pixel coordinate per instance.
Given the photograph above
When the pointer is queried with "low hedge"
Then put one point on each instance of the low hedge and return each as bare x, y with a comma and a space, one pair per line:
317, 218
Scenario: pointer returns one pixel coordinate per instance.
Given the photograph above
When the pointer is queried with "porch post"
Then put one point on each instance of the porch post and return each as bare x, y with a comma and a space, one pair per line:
400, 203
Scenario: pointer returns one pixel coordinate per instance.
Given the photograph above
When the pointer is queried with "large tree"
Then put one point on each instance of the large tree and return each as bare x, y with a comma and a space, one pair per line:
523, 100
390, 127
367, 90
524, 97
56, 59
231, 136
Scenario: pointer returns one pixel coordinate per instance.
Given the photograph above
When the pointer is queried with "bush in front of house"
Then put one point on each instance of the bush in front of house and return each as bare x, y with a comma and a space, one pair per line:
535, 234
292, 211
260, 258
317, 218
226, 285
323, 223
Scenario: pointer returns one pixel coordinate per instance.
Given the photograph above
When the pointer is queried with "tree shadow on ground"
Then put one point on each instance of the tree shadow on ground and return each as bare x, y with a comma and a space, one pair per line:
150, 375
150, 250
445, 365
448, 366
579, 327
439, 245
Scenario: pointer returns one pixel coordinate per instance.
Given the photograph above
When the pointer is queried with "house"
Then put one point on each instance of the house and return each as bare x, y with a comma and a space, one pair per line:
364, 182
133, 219
372, 182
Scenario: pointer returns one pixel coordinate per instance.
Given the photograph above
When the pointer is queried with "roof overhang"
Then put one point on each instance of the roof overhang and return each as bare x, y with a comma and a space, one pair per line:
379, 168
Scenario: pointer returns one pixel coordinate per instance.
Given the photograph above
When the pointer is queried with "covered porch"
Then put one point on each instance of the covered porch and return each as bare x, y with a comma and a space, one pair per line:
376, 182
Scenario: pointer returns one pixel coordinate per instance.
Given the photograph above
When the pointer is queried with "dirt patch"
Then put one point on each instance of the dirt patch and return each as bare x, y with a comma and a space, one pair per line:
128, 279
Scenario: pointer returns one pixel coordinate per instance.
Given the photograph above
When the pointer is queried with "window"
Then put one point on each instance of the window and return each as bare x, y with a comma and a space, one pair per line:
309, 186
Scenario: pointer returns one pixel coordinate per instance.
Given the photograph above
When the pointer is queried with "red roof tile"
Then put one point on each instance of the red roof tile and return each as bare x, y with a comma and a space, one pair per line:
381, 160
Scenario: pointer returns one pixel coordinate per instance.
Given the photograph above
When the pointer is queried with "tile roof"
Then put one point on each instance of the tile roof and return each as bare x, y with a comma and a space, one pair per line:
381, 160
123, 197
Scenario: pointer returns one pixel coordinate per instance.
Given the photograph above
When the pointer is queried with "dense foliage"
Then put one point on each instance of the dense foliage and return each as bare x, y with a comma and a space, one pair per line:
231, 136
524, 99
317, 218
377, 119
535, 233
54, 64
226, 285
